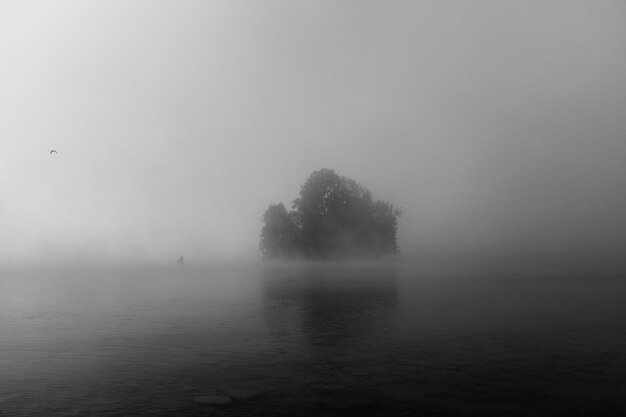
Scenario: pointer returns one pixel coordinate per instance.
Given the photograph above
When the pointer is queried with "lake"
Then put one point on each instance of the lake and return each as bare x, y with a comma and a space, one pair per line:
296, 340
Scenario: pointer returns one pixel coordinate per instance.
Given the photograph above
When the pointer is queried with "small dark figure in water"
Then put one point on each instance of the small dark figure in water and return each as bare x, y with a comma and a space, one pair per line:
180, 261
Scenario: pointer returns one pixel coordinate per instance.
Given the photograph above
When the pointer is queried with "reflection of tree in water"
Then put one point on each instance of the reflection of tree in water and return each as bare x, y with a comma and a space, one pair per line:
331, 307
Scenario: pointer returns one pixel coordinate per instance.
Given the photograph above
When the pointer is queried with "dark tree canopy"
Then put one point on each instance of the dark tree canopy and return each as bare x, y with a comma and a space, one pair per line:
279, 237
333, 217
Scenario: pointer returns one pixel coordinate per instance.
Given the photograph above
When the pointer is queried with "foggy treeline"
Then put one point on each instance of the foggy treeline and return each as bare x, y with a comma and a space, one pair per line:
334, 216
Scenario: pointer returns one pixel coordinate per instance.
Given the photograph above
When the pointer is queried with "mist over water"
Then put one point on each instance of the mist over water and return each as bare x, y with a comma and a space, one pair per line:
496, 127
308, 339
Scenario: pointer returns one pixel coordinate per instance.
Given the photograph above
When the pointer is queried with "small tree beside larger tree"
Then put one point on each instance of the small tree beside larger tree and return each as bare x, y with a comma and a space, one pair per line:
333, 217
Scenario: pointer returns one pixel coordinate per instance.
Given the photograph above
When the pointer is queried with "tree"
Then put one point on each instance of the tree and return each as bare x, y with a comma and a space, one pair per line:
279, 237
334, 216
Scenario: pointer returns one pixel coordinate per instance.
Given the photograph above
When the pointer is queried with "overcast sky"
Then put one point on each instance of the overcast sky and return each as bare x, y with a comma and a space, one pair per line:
499, 127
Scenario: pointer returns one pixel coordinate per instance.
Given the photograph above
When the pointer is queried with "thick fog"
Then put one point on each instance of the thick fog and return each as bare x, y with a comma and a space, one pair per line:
496, 126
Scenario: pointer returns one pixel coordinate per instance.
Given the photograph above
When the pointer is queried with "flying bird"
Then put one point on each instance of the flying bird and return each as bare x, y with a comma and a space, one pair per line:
53, 151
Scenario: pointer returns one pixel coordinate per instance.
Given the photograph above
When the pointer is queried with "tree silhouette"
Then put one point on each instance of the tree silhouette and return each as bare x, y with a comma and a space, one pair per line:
279, 237
334, 216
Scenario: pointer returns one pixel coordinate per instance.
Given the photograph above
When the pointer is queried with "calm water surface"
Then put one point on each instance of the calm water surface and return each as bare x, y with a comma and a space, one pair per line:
309, 340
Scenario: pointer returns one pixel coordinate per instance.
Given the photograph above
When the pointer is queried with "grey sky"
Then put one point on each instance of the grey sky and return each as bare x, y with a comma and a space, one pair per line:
497, 126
